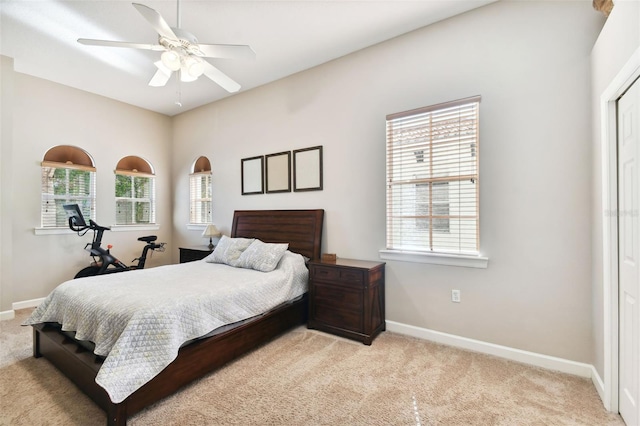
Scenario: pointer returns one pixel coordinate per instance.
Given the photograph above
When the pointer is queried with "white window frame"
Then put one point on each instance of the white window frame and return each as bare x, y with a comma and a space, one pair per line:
197, 181
151, 199
413, 160
49, 197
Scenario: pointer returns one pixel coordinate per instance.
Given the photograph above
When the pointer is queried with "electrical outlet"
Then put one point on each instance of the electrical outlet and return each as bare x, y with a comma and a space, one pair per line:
455, 296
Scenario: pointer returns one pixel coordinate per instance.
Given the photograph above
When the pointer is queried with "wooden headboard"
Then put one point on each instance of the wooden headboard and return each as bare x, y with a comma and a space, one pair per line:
302, 229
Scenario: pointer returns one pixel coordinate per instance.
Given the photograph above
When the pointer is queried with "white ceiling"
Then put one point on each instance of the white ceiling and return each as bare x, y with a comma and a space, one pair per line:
287, 36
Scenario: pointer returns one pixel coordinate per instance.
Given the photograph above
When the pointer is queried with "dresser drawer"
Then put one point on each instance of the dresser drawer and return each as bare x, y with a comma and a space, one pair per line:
338, 306
333, 296
342, 276
335, 317
324, 273
351, 276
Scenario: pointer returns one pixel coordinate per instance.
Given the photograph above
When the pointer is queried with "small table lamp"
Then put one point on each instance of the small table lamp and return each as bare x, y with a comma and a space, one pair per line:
211, 231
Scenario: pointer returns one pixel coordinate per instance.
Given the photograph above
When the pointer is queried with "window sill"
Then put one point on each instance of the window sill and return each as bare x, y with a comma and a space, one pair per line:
196, 226
467, 261
53, 231
115, 228
125, 228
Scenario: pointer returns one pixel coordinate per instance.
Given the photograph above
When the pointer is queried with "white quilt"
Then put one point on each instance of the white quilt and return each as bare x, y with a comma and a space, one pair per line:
139, 319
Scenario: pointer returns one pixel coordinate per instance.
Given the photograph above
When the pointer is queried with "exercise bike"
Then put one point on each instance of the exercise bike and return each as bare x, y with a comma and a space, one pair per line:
103, 261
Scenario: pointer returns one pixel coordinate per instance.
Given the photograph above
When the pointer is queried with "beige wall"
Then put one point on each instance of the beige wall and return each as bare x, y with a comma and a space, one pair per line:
44, 114
530, 63
617, 42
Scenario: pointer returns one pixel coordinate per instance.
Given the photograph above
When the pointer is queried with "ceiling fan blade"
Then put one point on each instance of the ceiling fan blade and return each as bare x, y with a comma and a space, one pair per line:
156, 20
108, 43
230, 51
161, 76
220, 78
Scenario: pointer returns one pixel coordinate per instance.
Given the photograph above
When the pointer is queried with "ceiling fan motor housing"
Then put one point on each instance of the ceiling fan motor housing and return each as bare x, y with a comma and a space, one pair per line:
186, 41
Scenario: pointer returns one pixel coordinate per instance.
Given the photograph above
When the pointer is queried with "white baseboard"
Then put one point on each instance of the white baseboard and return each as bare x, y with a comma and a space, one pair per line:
525, 357
27, 304
598, 383
8, 315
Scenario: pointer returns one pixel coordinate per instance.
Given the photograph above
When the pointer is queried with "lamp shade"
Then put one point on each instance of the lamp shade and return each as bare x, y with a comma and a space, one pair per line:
211, 231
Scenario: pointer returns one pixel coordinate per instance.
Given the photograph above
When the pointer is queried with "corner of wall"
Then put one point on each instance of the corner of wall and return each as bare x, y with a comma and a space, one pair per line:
6, 176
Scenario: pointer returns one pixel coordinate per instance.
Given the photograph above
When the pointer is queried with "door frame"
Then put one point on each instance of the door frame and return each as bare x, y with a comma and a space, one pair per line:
620, 83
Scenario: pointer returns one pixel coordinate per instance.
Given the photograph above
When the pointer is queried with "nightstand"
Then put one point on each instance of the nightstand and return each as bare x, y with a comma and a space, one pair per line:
346, 298
189, 254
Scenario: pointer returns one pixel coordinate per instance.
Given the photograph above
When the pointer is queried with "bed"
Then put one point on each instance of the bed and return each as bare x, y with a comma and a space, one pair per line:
301, 229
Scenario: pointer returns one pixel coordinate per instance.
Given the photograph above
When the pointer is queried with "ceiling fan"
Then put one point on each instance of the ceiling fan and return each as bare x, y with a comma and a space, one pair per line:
181, 52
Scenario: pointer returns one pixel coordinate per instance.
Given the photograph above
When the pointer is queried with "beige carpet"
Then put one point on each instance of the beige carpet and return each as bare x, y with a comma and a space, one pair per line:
312, 378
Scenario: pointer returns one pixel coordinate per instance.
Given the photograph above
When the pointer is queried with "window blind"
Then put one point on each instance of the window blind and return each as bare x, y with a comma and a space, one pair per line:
432, 178
200, 198
135, 198
66, 184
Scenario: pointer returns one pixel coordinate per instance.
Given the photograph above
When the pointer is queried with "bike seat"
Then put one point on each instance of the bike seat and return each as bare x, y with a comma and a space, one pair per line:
148, 238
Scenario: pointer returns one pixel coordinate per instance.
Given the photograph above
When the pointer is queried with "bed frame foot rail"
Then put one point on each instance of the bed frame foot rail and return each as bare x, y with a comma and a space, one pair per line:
79, 365
36, 343
117, 414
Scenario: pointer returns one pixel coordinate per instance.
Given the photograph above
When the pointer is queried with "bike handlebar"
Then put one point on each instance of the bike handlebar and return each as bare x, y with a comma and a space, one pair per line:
74, 227
97, 227
92, 225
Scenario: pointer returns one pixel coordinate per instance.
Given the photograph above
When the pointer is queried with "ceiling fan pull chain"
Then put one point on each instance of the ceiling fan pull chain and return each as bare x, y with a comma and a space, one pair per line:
178, 94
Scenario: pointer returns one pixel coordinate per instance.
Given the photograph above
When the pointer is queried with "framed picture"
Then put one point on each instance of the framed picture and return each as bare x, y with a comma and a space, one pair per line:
278, 172
307, 169
252, 175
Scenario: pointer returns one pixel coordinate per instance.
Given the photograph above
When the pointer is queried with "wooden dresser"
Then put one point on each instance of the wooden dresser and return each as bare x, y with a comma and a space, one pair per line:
346, 298
189, 254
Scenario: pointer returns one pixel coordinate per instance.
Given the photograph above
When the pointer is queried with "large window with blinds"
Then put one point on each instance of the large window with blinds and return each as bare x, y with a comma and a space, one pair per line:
432, 179
200, 192
135, 192
68, 177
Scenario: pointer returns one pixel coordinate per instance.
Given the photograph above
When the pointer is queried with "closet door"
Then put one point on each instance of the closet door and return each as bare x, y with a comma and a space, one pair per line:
629, 257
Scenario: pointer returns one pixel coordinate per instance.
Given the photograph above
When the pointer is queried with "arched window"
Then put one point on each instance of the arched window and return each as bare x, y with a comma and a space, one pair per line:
135, 192
200, 192
68, 177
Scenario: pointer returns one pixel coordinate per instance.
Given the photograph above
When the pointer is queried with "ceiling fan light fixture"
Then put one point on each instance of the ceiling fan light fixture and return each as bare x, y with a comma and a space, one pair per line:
185, 77
194, 66
171, 60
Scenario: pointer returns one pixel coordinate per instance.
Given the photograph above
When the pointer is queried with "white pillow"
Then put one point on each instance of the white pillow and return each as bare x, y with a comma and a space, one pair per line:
261, 256
229, 250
